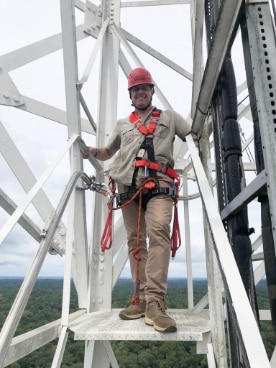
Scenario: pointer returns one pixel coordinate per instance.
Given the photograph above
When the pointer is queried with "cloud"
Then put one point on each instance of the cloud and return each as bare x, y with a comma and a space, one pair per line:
39, 140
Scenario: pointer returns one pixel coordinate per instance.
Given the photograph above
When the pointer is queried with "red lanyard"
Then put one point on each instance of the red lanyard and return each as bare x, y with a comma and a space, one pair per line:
133, 117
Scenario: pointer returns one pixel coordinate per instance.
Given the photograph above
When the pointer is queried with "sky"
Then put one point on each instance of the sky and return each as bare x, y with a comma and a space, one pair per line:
40, 140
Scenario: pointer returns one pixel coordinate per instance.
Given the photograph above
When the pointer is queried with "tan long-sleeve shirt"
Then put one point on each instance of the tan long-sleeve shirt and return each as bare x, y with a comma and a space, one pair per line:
127, 139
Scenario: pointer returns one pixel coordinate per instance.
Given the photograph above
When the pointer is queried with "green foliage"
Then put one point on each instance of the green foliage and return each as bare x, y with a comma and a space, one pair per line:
45, 305
157, 354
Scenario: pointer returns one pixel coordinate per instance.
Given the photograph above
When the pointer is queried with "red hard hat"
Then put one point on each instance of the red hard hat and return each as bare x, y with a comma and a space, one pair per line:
139, 76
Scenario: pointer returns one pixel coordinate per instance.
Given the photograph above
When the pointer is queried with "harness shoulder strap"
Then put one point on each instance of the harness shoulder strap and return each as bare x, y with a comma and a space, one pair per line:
155, 115
147, 144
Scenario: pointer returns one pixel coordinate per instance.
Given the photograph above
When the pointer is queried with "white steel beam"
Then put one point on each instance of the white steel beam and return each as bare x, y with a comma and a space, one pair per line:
63, 336
188, 243
9, 95
259, 273
139, 63
80, 5
27, 54
33, 194
250, 192
30, 341
153, 3
220, 43
80, 257
52, 113
247, 324
213, 273
92, 58
110, 354
261, 34
101, 282
157, 55
22, 297
273, 359
10, 206
210, 356
197, 17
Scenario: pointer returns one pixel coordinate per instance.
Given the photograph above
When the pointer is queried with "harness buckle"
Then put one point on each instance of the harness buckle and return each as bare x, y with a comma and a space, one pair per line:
141, 153
163, 168
138, 123
146, 172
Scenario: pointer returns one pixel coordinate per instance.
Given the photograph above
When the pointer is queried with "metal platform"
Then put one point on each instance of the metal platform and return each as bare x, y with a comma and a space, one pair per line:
108, 326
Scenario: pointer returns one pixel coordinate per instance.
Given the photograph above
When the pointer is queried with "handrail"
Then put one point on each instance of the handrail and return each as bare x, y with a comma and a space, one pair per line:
251, 341
28, 283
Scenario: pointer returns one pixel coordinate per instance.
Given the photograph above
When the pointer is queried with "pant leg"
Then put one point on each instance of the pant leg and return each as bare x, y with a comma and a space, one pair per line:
130, 216
158, 219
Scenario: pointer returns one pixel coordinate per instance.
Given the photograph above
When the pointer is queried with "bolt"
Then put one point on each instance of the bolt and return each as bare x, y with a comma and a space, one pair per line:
62, 232
16, 98
101, 258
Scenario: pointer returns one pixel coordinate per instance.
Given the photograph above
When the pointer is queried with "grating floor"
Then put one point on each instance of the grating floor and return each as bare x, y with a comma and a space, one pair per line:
108, 326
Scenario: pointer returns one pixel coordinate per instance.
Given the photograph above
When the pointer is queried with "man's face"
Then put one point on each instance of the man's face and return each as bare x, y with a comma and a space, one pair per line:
141, 95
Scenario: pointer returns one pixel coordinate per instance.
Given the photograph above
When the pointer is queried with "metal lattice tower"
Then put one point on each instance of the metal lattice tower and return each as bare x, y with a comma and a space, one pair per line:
95, 54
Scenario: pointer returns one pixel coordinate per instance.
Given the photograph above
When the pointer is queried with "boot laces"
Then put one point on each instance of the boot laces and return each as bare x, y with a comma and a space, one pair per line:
161, 306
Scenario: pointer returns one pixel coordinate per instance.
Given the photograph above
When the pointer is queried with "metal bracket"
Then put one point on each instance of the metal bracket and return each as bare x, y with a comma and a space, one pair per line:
256, 1
93, 19
56, 246
95, 186
9, 95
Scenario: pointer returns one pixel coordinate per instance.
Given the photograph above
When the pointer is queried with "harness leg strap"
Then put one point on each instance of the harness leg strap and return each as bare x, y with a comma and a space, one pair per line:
146, 196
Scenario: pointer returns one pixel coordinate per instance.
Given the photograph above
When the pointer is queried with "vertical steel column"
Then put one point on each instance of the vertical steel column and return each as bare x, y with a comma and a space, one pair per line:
101, 265
263, 55
101, 275
213, 275
259, 52
80, 256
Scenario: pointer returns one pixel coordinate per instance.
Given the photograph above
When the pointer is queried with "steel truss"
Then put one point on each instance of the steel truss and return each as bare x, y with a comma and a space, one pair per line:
117, 51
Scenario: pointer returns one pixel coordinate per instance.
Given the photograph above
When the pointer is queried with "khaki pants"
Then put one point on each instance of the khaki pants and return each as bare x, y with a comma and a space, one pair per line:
154, 225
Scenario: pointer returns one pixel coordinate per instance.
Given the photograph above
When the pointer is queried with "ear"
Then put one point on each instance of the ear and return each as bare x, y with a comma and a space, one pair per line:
152, 91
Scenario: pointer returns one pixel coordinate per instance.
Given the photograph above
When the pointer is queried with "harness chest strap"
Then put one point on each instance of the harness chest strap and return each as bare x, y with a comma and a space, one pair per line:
147, 144
152, 165
133, 117
157, 166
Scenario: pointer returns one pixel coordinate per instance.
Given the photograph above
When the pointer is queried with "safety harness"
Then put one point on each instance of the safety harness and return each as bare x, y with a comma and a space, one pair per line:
150, 166
151, 183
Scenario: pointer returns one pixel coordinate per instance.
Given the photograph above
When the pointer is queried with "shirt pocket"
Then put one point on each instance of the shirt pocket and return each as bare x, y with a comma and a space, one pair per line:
128, 136
162, 130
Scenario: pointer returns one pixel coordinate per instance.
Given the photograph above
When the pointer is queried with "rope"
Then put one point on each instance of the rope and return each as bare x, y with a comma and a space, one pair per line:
176, 234
106, 239
136, 299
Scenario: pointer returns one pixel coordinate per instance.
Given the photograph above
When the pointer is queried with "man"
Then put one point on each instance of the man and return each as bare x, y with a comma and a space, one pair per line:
144, 142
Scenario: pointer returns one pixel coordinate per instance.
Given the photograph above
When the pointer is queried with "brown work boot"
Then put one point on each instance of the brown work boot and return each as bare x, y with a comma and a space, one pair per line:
157, 317
134, 311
